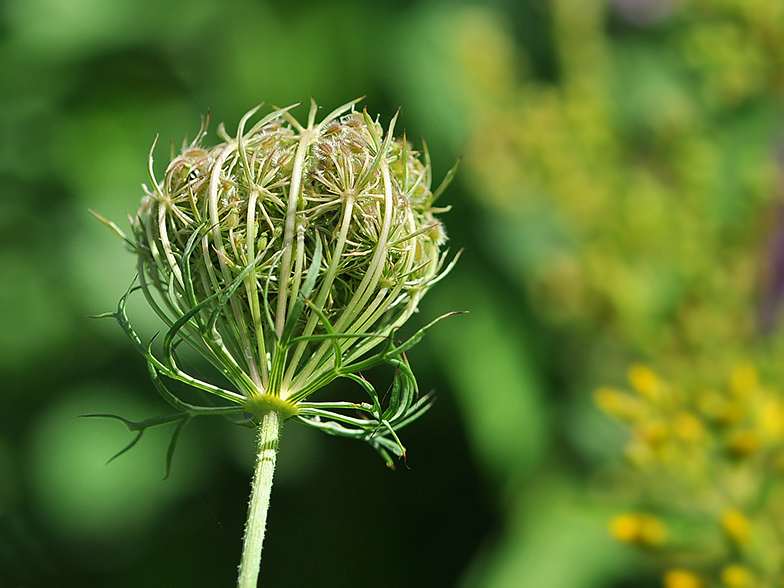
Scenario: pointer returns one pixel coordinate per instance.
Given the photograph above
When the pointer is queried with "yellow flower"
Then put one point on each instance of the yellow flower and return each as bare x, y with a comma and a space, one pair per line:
638, 528
771, 418
736, 576
735, 526
619, 404
625, 528
688, 427
645, 381
682, 579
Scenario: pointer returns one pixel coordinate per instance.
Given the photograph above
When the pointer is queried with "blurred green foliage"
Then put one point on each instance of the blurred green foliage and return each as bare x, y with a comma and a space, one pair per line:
632, 195
619, 201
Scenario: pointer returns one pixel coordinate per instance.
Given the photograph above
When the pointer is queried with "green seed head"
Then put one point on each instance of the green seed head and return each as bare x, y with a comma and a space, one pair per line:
288, 255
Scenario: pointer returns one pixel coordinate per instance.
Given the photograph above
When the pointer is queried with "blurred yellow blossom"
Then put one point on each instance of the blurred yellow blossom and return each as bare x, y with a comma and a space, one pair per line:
632, 193
682, 579
688, 427
619, 404
645, 381
638, 528
714, 477
735, 576
736, 526
771, 416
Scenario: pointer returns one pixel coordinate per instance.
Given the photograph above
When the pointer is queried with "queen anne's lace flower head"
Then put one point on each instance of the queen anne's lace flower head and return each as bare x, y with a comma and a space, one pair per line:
288, 255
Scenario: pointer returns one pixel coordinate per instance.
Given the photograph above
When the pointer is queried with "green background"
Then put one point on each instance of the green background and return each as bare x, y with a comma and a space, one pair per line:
503, 483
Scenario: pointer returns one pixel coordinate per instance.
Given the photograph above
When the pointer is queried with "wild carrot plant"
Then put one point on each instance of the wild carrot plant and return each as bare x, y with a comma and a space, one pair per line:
288, 256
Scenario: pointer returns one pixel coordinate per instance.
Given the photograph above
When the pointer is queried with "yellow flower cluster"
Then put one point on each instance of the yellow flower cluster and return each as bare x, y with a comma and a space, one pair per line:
708, 462
638, 528
631, 194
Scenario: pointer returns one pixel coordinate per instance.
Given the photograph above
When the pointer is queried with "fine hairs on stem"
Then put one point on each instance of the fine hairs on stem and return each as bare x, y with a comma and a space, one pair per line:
268, 436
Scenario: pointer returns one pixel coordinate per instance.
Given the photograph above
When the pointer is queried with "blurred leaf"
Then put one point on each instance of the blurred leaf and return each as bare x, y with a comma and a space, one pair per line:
9, 477
102, 152
59, 27
556, 539
83, 497
102, 156
433, 47
34, 318
484, 355
323, 53
66, 30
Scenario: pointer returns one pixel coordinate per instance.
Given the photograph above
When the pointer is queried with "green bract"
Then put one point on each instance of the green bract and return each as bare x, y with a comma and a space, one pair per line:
287, 256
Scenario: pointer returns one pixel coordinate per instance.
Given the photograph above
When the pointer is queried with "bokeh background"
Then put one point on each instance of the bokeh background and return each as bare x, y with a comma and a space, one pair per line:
618, 202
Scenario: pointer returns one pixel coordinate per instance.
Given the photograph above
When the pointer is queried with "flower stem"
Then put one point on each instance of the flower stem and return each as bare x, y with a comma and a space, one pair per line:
269, 433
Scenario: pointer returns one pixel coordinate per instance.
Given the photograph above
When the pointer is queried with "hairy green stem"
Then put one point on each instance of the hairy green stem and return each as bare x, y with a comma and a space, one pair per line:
269, 433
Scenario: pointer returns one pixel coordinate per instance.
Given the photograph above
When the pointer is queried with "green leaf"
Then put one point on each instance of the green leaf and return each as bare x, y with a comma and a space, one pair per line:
488, 363
140, 427
173, 444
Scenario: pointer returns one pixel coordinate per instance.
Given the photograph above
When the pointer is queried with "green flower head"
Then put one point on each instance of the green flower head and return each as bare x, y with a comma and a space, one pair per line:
287, 256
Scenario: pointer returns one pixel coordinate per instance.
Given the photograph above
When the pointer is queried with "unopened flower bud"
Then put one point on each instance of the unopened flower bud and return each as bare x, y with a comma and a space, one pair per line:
288, 255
